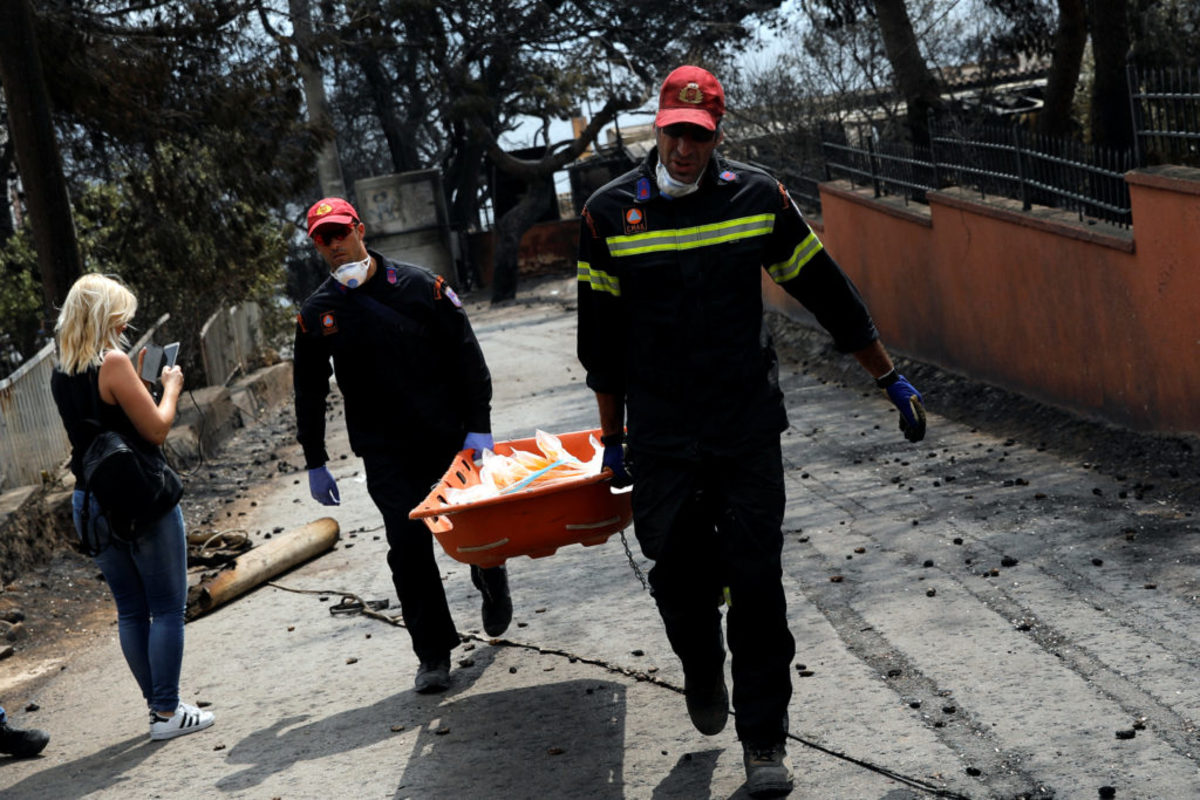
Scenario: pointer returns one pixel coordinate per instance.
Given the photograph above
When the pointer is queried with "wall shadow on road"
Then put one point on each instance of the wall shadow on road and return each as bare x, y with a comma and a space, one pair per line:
292, 740
85, 776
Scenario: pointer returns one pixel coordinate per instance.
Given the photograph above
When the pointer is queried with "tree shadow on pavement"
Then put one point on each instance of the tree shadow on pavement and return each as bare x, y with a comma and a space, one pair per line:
85, 776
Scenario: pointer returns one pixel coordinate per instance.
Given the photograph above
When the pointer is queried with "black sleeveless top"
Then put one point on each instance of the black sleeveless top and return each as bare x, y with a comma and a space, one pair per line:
78, 400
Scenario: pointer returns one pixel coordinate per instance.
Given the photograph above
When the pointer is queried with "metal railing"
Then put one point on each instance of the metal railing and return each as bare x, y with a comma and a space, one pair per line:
890, 169
1004, 162
1035, 169
1165, 105
32, 437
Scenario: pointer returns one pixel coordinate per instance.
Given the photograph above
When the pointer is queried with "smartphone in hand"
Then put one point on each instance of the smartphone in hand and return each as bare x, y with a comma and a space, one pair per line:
152, 362
157, 358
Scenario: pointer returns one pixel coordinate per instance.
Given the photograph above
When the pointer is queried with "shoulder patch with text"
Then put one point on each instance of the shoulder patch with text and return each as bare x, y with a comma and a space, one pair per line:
634, 220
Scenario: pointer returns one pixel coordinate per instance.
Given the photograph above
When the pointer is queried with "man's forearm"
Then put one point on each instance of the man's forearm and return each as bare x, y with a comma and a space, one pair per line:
874, 359
612, 413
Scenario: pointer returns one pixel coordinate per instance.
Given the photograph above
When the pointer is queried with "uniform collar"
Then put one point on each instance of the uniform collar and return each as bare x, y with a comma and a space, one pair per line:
716, 173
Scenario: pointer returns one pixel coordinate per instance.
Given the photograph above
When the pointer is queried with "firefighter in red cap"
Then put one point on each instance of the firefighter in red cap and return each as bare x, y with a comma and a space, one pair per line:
673, 339
417, 390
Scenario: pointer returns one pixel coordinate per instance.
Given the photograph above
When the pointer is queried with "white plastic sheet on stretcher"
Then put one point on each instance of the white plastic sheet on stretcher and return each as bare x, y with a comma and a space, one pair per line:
529, 497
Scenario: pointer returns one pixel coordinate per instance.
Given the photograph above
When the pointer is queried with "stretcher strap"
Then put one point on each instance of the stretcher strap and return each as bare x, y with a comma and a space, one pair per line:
532, 477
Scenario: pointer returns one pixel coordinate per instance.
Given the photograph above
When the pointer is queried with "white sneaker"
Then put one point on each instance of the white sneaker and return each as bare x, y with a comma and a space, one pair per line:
187, 719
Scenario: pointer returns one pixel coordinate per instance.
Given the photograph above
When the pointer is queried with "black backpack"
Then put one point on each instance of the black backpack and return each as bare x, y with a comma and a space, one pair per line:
131, 481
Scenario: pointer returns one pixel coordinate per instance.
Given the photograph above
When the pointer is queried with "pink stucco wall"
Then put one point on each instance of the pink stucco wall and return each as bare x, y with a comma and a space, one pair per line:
1093, 318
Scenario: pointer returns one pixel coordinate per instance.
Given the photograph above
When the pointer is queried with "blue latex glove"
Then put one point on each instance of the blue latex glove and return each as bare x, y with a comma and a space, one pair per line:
614, 461
323, 487
912, 412
479, 442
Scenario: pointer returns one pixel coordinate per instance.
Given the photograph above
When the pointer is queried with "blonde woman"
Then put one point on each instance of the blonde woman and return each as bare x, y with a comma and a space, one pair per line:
148, 577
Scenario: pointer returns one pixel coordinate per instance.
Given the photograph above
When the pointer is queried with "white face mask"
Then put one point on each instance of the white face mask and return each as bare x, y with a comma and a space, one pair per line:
671, 187
352, 273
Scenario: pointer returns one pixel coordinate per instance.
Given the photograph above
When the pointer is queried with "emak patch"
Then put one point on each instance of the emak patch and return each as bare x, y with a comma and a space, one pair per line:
328, 323
634, 219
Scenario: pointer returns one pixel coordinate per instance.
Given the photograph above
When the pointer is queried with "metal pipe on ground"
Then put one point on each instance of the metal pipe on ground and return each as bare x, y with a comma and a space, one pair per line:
262, 563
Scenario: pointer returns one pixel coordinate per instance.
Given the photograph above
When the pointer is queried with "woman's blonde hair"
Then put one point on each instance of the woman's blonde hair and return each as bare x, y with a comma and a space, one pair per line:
91, 320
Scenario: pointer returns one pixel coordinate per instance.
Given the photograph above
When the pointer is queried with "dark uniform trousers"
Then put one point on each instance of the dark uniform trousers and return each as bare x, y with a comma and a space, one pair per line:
712, 523
397, 485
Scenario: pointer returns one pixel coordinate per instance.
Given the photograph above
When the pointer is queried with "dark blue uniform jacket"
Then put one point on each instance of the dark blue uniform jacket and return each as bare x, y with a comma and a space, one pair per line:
406, 359
670, 304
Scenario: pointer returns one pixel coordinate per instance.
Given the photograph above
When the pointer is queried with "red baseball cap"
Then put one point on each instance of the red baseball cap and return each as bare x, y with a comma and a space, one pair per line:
693, 95
330, 210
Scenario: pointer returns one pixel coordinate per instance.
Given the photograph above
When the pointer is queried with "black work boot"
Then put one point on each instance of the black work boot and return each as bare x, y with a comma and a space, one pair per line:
433, 676
22, 743
768, 769
707, 703
497, 605
704, 686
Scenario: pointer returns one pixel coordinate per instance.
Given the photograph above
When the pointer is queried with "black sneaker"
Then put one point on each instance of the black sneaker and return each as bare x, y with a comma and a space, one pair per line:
768, 770
22, 743
433, 676
707, 704
497, 605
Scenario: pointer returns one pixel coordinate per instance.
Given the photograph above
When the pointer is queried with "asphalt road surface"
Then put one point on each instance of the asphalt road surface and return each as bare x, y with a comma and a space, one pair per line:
977, 616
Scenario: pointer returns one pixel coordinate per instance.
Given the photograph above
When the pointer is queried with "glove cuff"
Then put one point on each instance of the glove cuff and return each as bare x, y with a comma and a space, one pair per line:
887, 379
612, 439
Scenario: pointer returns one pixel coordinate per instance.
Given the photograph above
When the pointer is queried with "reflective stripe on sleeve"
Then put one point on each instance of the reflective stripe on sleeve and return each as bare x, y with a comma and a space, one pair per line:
599, 280
784, 271
691, 238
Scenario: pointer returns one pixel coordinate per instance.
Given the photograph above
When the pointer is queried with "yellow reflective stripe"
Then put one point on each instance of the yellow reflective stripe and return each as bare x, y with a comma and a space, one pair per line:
691, 238
784, 271
599, 280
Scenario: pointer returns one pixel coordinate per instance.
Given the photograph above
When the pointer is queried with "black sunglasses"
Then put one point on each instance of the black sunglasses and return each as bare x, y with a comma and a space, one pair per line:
327, 234
694, 132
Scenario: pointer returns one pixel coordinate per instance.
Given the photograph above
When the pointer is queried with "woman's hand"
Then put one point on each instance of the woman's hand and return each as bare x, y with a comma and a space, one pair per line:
172, 379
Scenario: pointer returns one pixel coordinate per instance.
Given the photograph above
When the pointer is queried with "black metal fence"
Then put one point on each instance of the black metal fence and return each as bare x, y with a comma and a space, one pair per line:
1014, 163
889, 168
996, 161
1165, 105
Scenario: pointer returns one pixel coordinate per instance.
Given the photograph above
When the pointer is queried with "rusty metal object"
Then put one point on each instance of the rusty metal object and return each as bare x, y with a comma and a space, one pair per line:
262, 563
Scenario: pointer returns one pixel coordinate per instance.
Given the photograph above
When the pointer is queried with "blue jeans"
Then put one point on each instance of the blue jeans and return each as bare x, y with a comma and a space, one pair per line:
148, 579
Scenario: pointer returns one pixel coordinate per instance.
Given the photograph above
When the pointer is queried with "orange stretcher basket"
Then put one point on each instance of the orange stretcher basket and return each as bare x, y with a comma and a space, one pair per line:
533, 522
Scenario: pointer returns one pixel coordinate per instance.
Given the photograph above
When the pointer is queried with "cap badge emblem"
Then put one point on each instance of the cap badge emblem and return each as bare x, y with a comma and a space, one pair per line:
324, 209
691, 94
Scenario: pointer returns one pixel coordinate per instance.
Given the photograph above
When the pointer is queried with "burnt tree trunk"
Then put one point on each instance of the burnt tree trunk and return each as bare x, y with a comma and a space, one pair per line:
508, 232
1112, 120
915, 81
36, 148
1070, 38
329, 166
